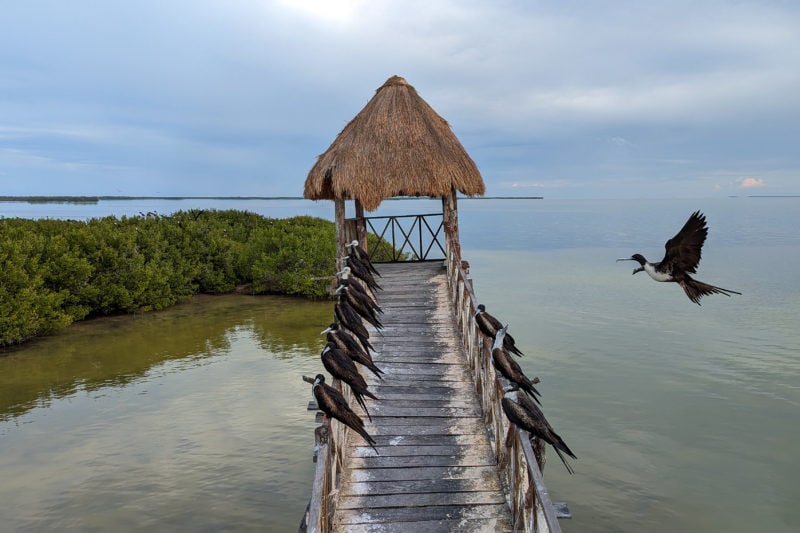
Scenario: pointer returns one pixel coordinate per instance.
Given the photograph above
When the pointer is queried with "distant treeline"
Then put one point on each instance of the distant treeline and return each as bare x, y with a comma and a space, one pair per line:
55, 272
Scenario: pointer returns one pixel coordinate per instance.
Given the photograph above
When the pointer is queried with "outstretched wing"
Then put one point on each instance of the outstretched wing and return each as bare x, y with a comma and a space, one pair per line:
683, 250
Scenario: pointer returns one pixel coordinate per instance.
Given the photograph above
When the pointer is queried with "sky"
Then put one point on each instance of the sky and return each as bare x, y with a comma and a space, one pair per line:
561, 99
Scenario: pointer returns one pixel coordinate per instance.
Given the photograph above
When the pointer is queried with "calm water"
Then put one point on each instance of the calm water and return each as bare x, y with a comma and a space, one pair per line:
684, 418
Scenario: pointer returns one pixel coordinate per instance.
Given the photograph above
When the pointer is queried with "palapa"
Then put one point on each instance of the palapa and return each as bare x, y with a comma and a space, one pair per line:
396, 146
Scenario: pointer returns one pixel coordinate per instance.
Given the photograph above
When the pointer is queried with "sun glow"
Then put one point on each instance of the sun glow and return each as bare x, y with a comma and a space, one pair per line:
330, 10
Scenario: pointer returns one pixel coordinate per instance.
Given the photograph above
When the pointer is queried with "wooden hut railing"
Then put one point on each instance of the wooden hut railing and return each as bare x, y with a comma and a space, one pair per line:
531, 507
402, 238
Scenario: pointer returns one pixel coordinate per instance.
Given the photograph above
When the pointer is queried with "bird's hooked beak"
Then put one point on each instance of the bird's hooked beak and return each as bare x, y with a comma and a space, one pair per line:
635, 270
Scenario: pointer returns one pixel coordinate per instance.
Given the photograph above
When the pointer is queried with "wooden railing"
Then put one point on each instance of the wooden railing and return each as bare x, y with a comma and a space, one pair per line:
531, 507
402, 238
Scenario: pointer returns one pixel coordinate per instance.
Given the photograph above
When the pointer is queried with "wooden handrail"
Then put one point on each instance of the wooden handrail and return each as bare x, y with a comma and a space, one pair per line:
531, 507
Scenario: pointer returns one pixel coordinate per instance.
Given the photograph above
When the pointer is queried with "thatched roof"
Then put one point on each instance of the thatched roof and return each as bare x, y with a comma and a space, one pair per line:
396, 146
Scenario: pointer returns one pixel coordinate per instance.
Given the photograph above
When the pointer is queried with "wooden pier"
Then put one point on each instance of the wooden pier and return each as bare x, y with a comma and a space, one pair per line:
447, 460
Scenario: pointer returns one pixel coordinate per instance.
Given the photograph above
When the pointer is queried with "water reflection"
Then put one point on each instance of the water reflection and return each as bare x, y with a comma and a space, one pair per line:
191, 418
118, 350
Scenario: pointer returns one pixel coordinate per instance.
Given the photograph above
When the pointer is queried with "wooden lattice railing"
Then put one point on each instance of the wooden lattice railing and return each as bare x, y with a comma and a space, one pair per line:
531, 507
403, 237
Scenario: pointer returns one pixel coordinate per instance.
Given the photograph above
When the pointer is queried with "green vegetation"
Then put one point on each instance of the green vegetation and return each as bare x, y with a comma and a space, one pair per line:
54, 272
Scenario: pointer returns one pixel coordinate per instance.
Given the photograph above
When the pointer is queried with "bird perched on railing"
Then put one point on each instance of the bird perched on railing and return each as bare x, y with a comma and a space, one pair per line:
352, 347
489, 326
525, 414
361, 254
681, 258
350, 319
358, 288
332, 403
361, 306
339, 365
362, 272
509, 368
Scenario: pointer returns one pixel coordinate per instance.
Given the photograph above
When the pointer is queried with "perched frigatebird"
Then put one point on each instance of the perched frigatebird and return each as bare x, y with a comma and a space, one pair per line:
352, 347
362, 272
489, 326
340, 366
361, 254
680, 259
350, 319
525, 414
332, 403
358, 288
509, 368
361, 304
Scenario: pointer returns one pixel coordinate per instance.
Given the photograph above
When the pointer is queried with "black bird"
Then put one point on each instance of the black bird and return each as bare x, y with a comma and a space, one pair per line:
339, 365
525, 414
362, 307
350, 319
509, 368
349, 345
489, 326
361, 254
333, 404
681, 258
358, 289
362, 272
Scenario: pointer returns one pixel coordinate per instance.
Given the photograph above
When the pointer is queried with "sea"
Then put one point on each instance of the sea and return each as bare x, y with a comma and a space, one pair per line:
683, 417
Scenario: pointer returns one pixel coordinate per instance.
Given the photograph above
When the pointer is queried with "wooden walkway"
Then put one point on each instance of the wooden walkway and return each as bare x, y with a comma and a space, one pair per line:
437, 469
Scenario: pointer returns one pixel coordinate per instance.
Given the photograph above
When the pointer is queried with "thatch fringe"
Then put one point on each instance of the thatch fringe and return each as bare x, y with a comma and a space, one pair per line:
396, 146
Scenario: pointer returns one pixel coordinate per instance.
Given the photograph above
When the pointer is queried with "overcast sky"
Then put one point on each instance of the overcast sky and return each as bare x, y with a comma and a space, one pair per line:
562, 99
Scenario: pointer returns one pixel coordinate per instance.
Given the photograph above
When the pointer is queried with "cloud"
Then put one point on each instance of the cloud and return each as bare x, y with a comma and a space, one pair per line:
749, 183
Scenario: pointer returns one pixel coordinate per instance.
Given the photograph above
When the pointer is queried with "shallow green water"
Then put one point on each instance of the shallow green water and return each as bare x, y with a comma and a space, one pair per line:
192, 418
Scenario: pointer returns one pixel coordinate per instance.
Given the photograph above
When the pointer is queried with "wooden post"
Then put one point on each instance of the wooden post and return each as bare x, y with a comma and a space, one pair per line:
340, 234
450, 218
361, 226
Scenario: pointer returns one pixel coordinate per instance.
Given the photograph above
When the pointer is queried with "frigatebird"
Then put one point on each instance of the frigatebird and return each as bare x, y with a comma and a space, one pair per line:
340, 366
680, 259
361, 306
358, 288
361, 254
332, 403
362, 272
525, 414
349, 345
350, 319
509, 368
489, 326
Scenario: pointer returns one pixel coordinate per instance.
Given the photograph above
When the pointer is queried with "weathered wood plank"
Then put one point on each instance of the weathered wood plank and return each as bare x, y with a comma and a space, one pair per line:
494, 524
360, 475
421, 500
451, 513
436, 470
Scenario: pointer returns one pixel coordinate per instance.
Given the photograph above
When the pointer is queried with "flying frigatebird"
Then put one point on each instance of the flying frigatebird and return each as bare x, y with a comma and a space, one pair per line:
489, 326
680, 259
525, 414
333, 404
509, 368
340, 366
